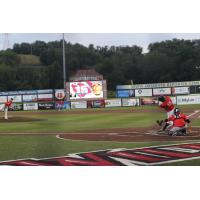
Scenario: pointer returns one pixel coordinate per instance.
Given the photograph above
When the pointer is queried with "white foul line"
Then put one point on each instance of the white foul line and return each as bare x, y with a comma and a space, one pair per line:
195, 112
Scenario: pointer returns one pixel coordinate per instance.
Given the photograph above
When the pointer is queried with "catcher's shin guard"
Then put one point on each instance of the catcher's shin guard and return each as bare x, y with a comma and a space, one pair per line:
165, 126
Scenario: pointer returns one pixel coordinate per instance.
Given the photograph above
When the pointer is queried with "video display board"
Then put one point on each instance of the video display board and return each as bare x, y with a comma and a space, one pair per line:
86, 90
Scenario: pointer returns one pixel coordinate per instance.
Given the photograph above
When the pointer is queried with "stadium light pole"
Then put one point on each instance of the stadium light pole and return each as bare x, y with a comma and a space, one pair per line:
64, 67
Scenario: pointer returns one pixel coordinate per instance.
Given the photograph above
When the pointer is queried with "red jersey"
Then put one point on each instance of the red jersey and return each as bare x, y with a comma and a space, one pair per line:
167, 104
179, 120
8, 103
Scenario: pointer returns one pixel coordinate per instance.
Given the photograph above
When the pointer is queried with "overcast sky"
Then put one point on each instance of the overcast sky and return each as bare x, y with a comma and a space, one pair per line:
98, 39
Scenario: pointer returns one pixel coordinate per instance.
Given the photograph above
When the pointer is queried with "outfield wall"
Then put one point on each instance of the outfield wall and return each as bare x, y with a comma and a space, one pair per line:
107, 103
158, 89
55, 99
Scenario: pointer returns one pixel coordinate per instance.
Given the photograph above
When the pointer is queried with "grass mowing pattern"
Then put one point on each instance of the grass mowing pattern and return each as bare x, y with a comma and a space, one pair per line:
81, 122
20, 147
29, 146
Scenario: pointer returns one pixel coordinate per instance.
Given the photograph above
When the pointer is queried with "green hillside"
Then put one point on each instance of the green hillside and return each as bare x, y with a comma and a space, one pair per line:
29, 59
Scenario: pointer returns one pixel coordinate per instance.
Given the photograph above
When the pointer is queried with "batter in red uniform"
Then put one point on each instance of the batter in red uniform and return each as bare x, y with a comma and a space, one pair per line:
166, 103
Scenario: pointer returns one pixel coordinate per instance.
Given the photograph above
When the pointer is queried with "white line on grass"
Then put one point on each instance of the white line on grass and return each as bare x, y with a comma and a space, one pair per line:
195, 112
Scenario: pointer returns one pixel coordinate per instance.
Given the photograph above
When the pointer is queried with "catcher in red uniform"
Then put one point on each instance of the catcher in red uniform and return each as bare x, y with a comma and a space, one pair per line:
179, 122
166, 103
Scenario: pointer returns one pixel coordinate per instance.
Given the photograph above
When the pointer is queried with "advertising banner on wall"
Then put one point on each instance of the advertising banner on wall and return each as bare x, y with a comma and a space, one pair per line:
10, 93
29, 97
48, 91
86, 90
28, 92
46, 106
125, 93
78, 104
3, 99
159, 85
143, 92
16, 107
180, 90
89, 104
30, 106
16, 98
59, 94
130, 102
173, 100
122, 93
98, 104
188, 99
45, 97
60, 105
149, 101
113, 103
19, 92
161, 91
95, 103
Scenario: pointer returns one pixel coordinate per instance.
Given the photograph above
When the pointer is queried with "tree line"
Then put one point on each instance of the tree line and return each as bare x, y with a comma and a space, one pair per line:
167, 61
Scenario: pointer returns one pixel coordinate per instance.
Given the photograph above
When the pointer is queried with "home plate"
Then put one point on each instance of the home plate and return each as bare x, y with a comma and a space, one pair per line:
152, 132
113, 133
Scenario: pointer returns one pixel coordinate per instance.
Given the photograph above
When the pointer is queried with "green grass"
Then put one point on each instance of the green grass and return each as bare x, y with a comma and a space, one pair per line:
69, 121
65, 122
19, 147
42, 146
29, 59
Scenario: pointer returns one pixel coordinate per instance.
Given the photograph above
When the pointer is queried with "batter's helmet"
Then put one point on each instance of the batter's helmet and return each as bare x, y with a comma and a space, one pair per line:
161, 98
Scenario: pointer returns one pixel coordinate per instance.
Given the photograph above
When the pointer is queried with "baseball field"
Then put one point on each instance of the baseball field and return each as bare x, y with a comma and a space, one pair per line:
109, 136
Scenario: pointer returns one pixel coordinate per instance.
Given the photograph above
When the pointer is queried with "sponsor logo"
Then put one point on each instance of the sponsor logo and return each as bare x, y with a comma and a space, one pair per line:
119, 157
60, 94
187, 100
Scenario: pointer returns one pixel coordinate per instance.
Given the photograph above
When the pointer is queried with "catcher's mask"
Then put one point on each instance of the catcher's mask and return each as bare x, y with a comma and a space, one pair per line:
161, 98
